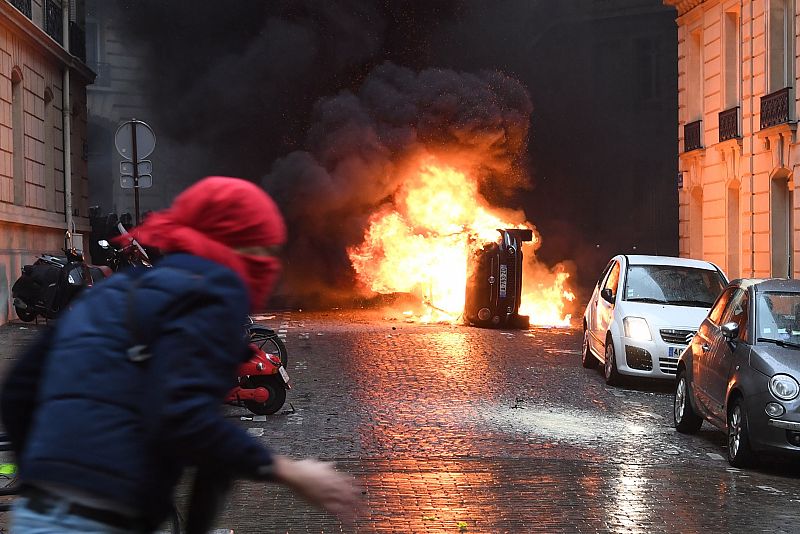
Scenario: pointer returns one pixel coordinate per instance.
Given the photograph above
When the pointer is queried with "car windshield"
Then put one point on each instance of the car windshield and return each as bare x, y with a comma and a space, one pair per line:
778, 316
673, 284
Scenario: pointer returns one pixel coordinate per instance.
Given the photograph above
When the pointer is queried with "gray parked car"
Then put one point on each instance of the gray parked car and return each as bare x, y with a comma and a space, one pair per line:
741, 370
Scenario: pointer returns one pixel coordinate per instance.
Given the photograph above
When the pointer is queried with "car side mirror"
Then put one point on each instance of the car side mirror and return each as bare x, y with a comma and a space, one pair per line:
607, 295
730, 331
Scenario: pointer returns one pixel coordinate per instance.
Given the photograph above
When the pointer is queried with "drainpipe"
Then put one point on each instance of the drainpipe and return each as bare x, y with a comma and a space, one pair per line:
67, 122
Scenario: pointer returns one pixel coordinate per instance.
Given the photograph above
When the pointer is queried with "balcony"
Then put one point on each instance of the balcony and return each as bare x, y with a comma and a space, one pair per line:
729, 124
24, 6
691, 136
77, 41
53, 20
775, 108
103, 71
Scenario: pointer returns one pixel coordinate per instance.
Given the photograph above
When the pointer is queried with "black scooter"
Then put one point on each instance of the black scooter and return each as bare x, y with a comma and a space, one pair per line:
49, 284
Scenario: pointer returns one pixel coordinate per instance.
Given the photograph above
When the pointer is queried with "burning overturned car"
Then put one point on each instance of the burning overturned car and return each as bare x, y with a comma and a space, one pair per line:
494, 282
458, 256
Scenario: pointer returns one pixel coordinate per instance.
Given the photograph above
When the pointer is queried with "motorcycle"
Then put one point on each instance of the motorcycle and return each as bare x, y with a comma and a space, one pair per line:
129, 254
49, 284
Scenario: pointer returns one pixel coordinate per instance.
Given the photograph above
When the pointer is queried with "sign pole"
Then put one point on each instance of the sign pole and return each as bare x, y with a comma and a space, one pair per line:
135, 171
135, 139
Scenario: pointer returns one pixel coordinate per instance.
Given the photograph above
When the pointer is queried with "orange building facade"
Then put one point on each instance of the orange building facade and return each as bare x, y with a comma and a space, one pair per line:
33, 60
737, 134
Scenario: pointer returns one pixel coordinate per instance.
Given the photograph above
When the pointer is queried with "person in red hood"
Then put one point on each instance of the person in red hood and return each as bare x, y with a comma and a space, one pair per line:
103, 437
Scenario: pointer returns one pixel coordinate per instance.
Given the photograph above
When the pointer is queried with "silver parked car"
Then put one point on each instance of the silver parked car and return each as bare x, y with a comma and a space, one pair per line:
741, 370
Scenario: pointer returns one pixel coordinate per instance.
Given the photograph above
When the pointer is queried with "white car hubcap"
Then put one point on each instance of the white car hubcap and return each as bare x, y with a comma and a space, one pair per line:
735, 431
680, 400
609, 366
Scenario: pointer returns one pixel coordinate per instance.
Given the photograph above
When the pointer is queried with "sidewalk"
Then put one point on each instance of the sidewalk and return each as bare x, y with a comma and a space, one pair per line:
14, 337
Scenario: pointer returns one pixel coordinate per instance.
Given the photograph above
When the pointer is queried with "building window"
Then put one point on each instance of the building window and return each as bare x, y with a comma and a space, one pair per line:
696, 223
18, 136
54, 20
731, 59
734, 234
779, 33
780, 226
647, 73
694, 76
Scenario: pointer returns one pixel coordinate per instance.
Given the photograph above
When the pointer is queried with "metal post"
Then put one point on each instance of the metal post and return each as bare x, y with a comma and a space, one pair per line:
135, 157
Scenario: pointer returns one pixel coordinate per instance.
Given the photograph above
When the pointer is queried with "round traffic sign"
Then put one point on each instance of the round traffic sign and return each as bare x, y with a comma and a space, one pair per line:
145, 139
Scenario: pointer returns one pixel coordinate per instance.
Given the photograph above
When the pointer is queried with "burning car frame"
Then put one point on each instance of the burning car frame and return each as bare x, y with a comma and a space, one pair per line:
494, 282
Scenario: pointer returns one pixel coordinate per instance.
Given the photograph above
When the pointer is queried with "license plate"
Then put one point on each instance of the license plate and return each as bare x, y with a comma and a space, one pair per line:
675, 352
284, 374
503, 280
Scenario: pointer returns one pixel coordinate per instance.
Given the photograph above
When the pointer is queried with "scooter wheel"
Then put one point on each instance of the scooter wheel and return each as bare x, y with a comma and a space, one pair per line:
277, 394
25, 315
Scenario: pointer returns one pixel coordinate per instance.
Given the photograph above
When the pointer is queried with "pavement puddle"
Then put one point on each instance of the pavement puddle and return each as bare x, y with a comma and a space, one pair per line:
567, 425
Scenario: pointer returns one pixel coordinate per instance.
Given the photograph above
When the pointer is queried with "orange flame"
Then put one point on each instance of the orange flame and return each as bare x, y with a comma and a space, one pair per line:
421, 246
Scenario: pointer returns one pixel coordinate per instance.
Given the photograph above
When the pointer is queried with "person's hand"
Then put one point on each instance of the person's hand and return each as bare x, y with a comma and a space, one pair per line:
319, 483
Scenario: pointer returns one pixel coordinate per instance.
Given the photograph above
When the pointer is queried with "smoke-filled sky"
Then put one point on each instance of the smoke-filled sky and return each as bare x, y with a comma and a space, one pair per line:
570, 104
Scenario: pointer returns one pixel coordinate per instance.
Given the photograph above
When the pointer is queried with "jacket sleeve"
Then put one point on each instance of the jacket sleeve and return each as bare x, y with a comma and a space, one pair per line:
195, 358
20, 388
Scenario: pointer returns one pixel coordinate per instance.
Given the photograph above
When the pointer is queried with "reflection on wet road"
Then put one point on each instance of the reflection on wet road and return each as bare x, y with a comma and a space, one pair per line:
455, 428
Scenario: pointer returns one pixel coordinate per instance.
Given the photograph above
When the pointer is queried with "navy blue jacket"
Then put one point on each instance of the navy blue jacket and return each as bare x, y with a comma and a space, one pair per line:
81, 413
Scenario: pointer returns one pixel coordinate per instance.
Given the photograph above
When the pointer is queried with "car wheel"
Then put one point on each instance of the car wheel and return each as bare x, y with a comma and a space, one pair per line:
739, 452
587, 358
684, 417
610, 372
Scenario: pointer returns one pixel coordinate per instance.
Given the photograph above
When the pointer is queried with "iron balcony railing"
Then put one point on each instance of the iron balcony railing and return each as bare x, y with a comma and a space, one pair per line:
77, 41
53, 20
775, 108
729, 124
691, 136
23, 5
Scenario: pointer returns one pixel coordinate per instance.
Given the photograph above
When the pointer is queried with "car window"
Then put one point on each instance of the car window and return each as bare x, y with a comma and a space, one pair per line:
778, 316
605, 272
612, 282
677, 285
716, 312
737, 312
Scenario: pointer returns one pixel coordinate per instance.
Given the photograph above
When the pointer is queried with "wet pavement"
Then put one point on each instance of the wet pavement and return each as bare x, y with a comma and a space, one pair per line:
453, 429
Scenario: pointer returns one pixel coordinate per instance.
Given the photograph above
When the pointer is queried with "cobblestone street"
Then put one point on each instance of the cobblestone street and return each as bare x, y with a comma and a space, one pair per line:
450, 429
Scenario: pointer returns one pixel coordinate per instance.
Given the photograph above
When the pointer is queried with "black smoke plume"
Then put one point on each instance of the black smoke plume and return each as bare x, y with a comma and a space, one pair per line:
359, 143
239, 79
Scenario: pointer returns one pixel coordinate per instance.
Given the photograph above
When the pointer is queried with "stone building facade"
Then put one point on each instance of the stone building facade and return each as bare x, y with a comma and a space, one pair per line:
32, 187
121, 92
737, 134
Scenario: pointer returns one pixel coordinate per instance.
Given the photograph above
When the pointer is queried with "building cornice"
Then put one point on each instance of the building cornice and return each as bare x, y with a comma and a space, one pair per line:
24, 27
683, 6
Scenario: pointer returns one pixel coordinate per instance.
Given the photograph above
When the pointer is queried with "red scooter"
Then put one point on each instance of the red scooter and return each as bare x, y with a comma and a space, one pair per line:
262, 383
